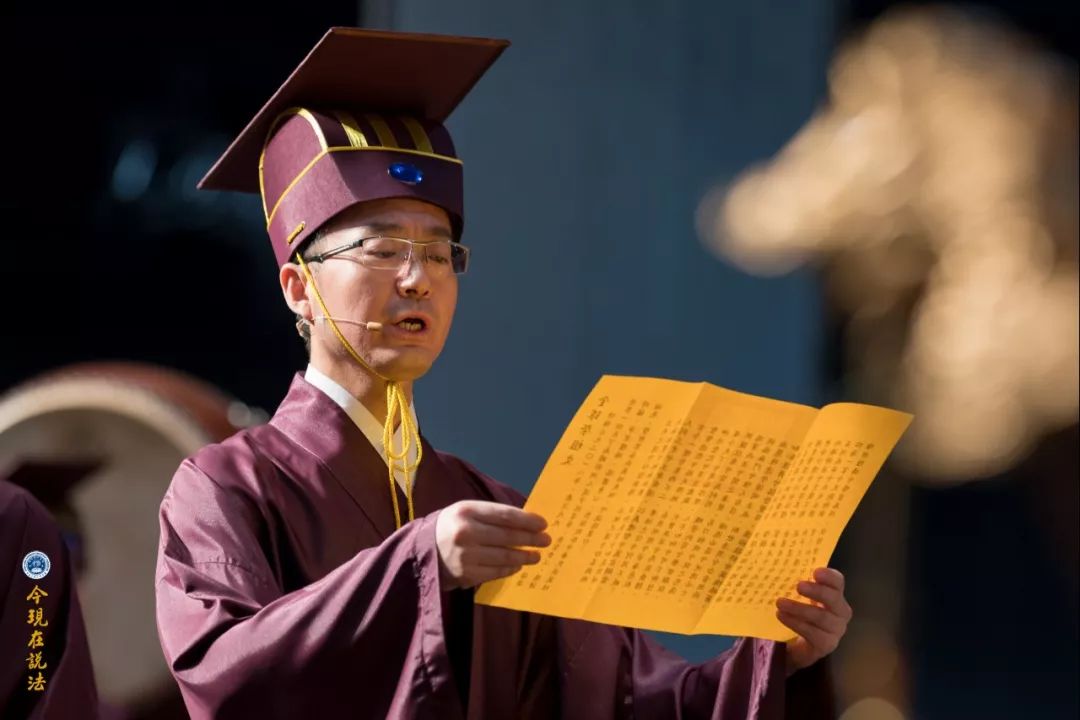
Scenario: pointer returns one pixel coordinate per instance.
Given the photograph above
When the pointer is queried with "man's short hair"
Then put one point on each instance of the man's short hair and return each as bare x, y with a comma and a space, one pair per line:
313, 246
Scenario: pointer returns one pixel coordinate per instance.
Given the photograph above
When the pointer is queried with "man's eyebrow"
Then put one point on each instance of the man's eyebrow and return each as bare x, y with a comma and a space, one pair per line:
394, 229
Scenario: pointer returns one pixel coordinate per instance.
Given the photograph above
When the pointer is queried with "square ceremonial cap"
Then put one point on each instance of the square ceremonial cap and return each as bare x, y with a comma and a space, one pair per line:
360, 119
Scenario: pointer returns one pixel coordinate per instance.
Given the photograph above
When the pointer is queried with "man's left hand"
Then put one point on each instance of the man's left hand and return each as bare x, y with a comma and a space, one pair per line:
820, 623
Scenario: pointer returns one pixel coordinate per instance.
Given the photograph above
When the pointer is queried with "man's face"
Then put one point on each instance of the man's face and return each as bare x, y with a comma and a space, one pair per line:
415, 303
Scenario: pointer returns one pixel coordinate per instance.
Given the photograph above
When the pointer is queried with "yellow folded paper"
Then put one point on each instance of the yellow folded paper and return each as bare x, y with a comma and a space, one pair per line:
689, 508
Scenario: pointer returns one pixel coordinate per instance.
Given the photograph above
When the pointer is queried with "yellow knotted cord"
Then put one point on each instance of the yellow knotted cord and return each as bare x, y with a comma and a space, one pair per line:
395, 405
409, 432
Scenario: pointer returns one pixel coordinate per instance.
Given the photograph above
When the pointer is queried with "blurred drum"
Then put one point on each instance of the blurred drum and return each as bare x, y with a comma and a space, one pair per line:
139, 422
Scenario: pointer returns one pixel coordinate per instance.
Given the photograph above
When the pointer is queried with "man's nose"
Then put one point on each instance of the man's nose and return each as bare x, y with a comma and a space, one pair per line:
414, 278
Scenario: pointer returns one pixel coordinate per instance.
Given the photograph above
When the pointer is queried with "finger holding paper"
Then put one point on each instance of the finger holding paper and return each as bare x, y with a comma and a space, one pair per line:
480, 541
820, 624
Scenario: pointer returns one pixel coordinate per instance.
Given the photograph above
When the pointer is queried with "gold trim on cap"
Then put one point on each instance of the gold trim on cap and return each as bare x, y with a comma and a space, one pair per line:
352, 130
302, 112
418, 133
345, 148
386, 135
296, 231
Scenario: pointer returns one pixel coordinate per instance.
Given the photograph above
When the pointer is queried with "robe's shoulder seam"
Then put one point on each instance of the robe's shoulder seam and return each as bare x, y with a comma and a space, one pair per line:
226, 561
239, 565
219, 462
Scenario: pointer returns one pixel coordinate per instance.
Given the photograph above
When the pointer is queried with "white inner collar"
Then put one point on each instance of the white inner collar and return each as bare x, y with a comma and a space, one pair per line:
362, 417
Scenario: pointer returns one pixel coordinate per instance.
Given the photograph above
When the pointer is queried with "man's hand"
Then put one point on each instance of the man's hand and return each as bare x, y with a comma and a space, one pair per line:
479, 541
820, 624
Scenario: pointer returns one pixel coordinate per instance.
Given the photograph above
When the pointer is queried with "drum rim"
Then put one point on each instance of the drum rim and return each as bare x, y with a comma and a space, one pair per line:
186, 411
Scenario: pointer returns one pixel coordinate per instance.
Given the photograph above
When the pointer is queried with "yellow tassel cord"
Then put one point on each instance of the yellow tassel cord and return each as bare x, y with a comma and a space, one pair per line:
396, 405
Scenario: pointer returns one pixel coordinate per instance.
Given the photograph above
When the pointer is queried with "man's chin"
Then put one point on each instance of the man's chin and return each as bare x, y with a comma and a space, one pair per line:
404, 365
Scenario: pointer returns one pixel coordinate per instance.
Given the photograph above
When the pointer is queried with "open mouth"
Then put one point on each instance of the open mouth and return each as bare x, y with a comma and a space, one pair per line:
411, 324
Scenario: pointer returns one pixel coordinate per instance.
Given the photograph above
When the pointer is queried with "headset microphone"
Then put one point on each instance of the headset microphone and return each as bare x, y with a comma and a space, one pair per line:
371, 325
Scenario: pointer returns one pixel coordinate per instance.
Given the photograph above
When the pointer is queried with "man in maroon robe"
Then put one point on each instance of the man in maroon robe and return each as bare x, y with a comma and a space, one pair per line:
45, 670
321, 565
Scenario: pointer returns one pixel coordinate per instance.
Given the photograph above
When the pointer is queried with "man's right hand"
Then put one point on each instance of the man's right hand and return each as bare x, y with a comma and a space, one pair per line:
480, 541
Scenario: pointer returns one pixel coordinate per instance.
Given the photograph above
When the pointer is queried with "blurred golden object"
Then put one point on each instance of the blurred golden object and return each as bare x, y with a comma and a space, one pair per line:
939, 187
873, 709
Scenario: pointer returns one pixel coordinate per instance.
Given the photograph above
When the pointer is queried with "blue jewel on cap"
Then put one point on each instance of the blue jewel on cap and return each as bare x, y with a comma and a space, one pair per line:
406, 173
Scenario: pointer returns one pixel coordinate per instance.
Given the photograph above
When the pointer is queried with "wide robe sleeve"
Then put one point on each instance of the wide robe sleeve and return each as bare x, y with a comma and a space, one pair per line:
611, 672
67, 689
365, 640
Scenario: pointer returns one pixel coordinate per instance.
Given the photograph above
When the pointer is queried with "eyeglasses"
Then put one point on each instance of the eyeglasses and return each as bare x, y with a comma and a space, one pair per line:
442, 257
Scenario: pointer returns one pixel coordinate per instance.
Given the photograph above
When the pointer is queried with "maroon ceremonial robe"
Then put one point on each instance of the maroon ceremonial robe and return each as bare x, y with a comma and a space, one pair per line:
284, 591
66, 675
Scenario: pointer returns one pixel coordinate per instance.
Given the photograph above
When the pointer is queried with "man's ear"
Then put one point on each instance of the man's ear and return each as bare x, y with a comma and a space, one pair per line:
294, 289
